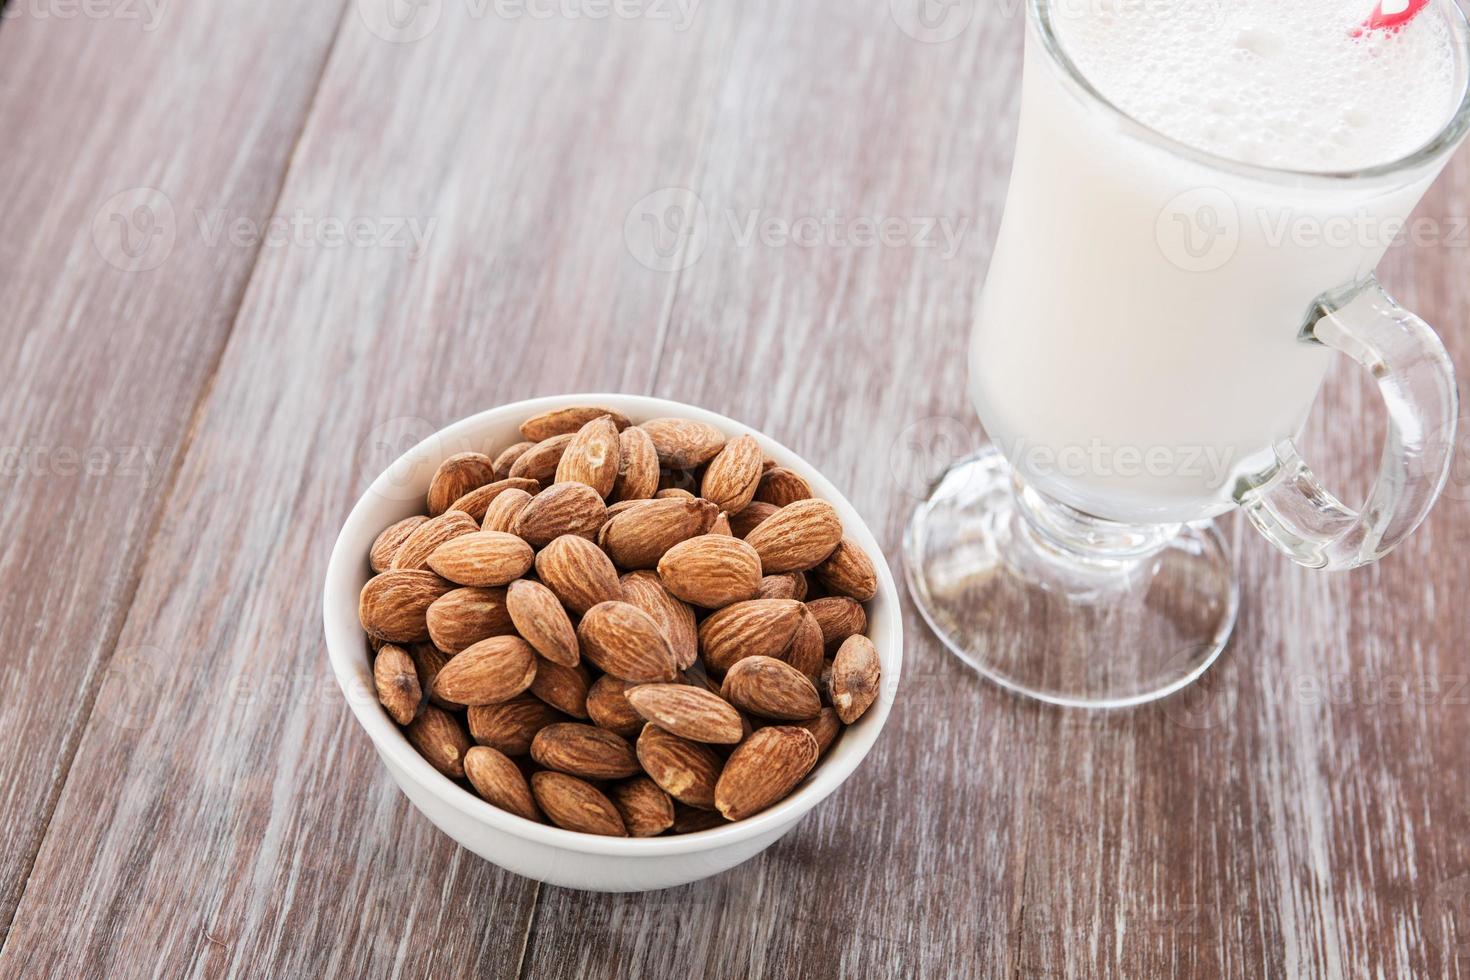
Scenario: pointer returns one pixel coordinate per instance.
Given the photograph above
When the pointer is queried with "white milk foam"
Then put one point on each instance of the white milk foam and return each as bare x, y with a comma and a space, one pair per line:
1279, 83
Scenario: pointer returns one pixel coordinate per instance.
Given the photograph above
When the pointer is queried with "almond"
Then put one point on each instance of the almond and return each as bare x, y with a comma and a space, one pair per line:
457, 476
744, 521
683, 444
637, 466
764, 769
839, 617
646, 810
508, 456
781, 486
584, 750
440, 739
756, 627
428, 660
854, 681
722, 526
592, 457
488, 672
825, 728
511, 725
573, 804
685, 770
579, 572
639, 536
542, 621
478, 500
397, 683
624, 641
771, 688
502, 512
484, 558
462, 617
562, 508
711, 571
608, 707
564, 421
380, 558
787, 585
419, 545
541, 460
806, 651
796, 537
499, 782
674, 493
564, 688
732, 476
848, 571
689, 712
675, 617
691, 820
394, 606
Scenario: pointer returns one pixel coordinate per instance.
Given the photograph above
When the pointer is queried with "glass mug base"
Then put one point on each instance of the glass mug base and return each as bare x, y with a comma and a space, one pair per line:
1060, 606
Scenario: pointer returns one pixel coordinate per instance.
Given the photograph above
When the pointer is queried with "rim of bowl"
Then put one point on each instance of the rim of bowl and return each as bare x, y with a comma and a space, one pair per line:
346, 648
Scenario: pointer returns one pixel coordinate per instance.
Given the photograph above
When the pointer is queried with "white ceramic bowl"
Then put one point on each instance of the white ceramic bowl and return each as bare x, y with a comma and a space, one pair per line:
536, 850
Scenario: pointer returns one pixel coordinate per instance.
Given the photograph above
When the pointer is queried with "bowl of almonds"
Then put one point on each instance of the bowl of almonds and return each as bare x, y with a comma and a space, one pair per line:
612, 642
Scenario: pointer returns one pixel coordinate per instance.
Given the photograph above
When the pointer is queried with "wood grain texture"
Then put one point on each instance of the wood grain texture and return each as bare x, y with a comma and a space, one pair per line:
1297, 813
105, 352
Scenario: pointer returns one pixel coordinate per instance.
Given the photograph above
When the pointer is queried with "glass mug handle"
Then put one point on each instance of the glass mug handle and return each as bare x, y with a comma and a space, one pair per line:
1289, 504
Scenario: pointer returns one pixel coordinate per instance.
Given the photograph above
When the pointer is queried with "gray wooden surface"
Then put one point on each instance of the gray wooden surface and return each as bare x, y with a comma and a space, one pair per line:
186, 422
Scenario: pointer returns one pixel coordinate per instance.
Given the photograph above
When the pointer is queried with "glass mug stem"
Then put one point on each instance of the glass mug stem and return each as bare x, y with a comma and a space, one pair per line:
1288, 503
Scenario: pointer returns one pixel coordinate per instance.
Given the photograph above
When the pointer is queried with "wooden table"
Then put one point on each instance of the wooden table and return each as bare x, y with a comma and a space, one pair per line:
195, 395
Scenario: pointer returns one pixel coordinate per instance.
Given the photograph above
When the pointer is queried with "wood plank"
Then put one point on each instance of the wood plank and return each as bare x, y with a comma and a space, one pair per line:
235, 820
105, 355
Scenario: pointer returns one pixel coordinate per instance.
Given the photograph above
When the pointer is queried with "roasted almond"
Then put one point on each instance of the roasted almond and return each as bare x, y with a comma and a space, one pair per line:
683, 444
420, 544
722, 526
781, 486
742, 522
457, 476
584, 750
564, 688
637, 466
397, 682
756, 627
394, 606
764, 769
428, 660
542, 621
806, 650
691, 819
573, 804
732, 476
484, 558
511, 725
646, 809
462, 617
854, 680
711, 571
478, 500
771, 688
689, 712
675, 617
640, 535
592, 457
608, 707
562, 508
390, 540
540, 461
839, 617
499, 782
848, 571
564, 421
685, 770
501, 513
580, 573
786, 585
508, 456
440, 739
796, 537
488, 672
624, 641
674, 493
825, 728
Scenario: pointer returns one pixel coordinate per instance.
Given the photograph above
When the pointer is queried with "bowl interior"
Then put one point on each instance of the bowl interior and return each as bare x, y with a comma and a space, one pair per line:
399, 492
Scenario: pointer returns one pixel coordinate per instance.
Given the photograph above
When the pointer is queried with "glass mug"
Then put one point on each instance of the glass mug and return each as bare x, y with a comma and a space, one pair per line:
1154, 328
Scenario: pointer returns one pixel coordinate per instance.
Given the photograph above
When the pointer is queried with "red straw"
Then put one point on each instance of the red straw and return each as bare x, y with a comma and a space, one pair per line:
1399, 13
